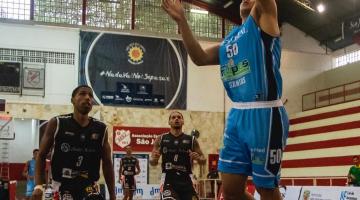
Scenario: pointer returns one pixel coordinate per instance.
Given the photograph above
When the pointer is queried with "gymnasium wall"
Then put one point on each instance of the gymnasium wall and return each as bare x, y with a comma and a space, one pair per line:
322, 142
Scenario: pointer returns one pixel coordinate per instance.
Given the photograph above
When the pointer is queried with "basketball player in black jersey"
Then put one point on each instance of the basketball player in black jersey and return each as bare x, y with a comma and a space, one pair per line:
78, 143
129, 167
178, 150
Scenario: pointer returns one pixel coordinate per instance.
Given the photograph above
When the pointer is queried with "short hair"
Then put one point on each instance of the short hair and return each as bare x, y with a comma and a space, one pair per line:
77, 89
35, 150
176, 112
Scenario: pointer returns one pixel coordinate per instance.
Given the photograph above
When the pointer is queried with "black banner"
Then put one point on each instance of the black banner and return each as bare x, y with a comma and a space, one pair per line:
134, 71
10, 77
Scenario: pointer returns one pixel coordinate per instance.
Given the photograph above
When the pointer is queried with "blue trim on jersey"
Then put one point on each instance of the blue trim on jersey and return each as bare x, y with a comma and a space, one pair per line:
250, 63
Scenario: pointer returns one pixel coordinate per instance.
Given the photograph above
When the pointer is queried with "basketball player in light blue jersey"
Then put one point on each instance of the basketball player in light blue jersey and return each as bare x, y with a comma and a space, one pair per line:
257, 125
29, 173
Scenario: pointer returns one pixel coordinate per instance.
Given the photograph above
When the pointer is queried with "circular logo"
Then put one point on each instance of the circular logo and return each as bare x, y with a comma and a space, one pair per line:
65, 147
135, 53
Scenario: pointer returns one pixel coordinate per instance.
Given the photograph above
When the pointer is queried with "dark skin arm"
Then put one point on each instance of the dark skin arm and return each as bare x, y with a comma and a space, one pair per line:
120, 170
198, 55
107, 167
197, 154
265, 15
155, 154
25, 170
137, 171
46, 143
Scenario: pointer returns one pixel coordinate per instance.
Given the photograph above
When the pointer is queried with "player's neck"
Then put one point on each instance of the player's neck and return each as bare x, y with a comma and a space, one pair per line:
175, 132
82, 120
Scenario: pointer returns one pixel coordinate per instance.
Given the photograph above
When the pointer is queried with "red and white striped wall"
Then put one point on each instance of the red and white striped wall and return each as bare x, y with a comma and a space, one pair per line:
322, 142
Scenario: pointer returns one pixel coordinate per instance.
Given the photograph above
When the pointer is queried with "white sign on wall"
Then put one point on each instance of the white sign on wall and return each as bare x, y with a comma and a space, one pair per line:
318, 193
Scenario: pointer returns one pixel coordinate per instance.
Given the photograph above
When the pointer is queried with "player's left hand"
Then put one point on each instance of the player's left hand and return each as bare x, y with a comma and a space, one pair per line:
194, 155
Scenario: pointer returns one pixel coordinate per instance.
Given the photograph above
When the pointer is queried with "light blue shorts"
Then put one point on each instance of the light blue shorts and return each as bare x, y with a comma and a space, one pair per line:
254, 141
30, 187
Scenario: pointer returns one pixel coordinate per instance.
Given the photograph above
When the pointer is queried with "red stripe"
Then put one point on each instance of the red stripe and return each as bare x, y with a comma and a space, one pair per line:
318, 162
323, 144
325, 129
347, 111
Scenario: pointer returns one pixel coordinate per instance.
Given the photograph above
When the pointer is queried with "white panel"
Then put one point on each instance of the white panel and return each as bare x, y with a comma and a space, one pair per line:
60, 79
36, 37
26, 137
326, 122
324, 136
321, 153
315, 171
205, 89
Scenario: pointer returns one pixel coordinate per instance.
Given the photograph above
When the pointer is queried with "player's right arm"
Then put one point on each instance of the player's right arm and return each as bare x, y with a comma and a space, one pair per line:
155, 154
198, 55
46, 143
25, 170
120, 170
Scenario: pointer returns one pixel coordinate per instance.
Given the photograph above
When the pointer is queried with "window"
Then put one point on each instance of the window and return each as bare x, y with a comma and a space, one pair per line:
347, 59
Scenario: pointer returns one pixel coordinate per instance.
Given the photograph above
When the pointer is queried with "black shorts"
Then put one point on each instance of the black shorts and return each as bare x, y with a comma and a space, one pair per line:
178, 191
129, 183
76, 190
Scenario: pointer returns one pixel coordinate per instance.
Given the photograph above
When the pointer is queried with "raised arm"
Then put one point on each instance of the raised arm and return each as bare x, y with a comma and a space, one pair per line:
107, 167
155, 154
45, 145
265, 14
197, 154
198, 55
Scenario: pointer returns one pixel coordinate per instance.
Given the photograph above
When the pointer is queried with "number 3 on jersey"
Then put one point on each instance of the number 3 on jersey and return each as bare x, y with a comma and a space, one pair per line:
79, 161
231, 50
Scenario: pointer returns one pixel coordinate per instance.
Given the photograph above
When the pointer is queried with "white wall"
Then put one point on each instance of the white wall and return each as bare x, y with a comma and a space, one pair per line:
205, 88
26, 139
60, 79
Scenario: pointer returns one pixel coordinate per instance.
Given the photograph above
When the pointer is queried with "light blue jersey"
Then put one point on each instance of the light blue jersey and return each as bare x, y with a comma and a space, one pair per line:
31, 182
250, 63
31, 168
257, 125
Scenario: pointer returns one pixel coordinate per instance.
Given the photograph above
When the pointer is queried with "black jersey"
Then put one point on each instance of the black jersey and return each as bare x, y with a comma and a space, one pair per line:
175, 153
77, 150
129, 165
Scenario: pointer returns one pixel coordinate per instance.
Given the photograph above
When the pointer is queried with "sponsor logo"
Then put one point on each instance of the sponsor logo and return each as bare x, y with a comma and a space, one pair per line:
135, 53
95, 136
33, 77
122, 137
186, 141
66, 173
82, 137
347, 195
167, 193
124, 88
69, 133
165, 150
65, 147
306, 195
232, 71
128, 99
176, 142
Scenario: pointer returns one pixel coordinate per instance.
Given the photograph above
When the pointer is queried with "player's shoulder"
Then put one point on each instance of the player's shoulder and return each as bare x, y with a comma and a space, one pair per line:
98, 123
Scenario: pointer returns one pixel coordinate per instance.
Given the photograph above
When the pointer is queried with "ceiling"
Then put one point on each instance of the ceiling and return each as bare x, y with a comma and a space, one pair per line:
325, 27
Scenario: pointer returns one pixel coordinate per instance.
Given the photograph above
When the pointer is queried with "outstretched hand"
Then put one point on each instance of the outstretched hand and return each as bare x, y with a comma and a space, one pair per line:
174, 9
